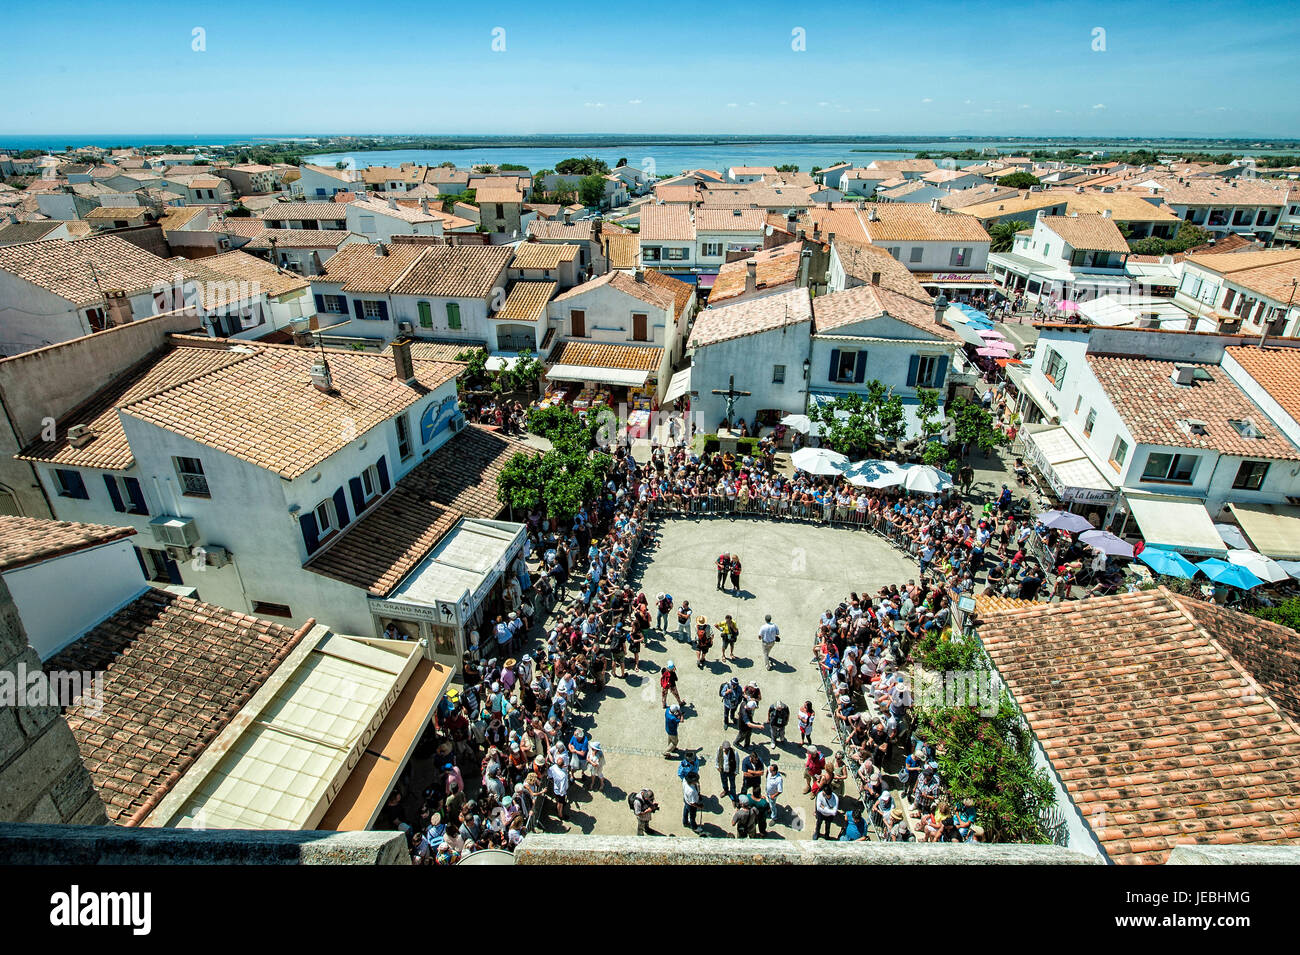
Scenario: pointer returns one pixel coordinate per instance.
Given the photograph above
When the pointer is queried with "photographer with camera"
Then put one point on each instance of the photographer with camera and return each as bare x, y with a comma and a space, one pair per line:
643, 806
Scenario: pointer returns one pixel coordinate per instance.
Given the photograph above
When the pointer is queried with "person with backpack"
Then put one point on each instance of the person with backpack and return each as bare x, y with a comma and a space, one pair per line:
730, 632
703, 641
728, 762
778, 718
668, 683
663, 608
745, 819
643, 806
724, 565
731, 695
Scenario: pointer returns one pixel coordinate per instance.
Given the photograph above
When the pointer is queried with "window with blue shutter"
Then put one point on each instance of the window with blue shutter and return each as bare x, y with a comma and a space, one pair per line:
358, 495
70, 484
912, 364
137, 506
358, 308
341, 508
834, 373
383, 310
384, 483
940, 370
320, 303
860, 371
110, 482
310, 532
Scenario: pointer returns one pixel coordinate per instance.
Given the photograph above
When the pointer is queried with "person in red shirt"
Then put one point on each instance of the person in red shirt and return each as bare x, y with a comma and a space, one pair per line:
812, 768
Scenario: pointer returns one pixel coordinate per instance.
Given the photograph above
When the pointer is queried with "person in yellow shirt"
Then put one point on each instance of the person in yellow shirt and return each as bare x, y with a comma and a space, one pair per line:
729, 630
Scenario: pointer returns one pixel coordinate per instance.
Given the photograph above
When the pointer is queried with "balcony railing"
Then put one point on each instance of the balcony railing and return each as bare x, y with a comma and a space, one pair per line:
196, 484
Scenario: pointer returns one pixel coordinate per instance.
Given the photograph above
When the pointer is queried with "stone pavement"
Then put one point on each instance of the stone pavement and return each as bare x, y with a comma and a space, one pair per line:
792, 571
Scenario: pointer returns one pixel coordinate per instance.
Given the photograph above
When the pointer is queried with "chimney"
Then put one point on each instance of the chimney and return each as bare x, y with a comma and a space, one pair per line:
751, 274
875, 278
568, 217
1079, 189
934, 204
424, 205
871, 215
392, 203
830, 238
402, 363
640, 275
321, 376
380, 249
940, 306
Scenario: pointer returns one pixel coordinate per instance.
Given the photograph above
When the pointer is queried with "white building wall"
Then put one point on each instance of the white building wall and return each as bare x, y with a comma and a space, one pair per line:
751, 360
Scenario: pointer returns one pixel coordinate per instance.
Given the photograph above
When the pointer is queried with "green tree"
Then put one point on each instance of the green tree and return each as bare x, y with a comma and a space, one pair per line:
585, 166
475, 366
512, 167
1019, 180
1287, 613
527, 369
1003, 234
859, 423
591, 190
621, 162
973, 425
787, 167
927, 412
240, 211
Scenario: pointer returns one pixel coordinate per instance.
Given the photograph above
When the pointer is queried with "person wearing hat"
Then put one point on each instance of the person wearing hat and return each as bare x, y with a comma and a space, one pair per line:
703, 640
595, 767
898, 830
672, 721
746, 722
976, 834
663, 607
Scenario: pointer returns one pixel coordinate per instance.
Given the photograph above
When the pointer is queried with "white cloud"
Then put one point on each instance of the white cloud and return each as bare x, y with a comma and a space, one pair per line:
1099, 106
634, 102
823, 103
732, 105
751, 103
969, 101
1024, 106
927, 100
594, 105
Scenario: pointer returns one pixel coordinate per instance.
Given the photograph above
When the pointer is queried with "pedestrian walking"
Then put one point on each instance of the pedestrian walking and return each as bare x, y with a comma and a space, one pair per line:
684, 621
703, 641
691, 801
769, 635
731, 695
634, 647
668, 683
806, 717
643, 806
672, 721
774, 786
728, 763
729, 632
663, 607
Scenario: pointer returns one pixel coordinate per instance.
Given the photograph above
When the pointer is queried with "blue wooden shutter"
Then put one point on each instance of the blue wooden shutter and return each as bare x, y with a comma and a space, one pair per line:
310, 532
912, 364
358, 495
835, 365
860, 371
77, 486
320, 303
138, 506
113, 494
383, 310
356, 307
940, 370
383, 475
139, 555
341, 508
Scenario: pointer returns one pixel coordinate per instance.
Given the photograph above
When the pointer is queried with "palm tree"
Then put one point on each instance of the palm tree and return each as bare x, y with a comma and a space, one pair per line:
1003, 234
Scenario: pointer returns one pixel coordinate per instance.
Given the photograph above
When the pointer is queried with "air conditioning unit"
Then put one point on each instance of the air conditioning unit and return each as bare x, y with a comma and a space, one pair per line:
178, 553
406, 328
458, 424
172, 531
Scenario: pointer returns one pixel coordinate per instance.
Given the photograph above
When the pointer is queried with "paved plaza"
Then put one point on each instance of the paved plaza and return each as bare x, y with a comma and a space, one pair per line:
793, 571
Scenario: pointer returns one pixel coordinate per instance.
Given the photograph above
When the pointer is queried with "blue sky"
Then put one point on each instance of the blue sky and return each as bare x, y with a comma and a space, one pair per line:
1009, 68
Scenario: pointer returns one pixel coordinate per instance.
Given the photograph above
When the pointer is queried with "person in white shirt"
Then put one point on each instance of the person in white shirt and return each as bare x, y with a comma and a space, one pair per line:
559, 777
768, 635
775, 786
827, 807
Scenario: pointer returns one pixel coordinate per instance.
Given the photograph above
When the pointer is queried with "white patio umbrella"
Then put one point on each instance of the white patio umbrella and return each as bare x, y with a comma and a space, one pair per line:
819, 461
1232, 536
798, 422
1265, 568
926, 479
875, 474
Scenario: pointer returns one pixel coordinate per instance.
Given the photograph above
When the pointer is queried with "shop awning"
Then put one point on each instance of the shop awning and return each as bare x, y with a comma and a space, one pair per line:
1067, 468
1273, 529
955, 279
678, 385
626, 377
457, 571
1176, 523
1035, 393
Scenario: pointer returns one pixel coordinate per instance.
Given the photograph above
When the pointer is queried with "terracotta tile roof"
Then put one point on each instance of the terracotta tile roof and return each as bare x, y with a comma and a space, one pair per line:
730, 220
298, 238
17, 233
773, 268
80, 270
1015, 204
362, 268
667, 223
29, 540
1157, 732
1268, 272
1087, 232
861, 261
504, 193
991, 603
526, 302
917, 222
380, 207
249, 227
678, 193
755, 195
904, 165
265, 410
621, 249
423, 350
543, 255
559, 231
378, 175
723, 323
1123, 206
841, 219
598, 355
177, 216
108, 449
455, 271
1277, 370
1219, 192
627, 284
679, 290
117, 212
1151, 406
443, 174
295, 211
389, 541
176, 671
753, 170
249, 268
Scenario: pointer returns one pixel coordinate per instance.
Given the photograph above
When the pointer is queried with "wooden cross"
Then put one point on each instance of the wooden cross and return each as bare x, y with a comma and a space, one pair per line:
732, 394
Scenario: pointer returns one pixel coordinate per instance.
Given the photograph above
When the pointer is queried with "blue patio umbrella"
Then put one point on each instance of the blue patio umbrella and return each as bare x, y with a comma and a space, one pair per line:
1233, 575
1168, 563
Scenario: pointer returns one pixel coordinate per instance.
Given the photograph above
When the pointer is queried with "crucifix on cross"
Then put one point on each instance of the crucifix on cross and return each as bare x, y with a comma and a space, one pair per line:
731, 395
